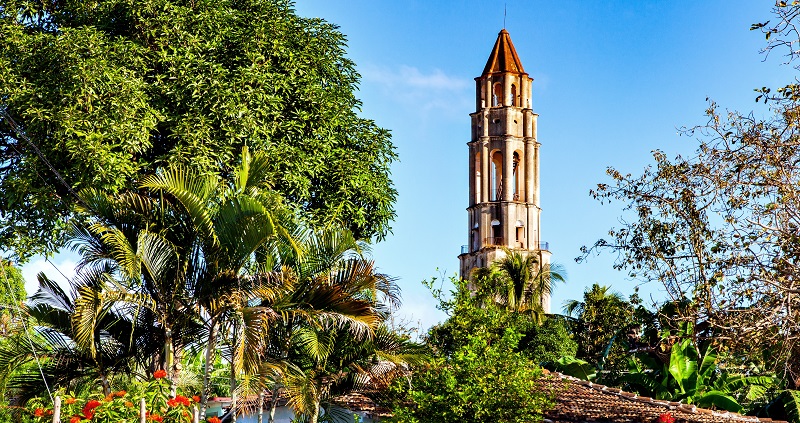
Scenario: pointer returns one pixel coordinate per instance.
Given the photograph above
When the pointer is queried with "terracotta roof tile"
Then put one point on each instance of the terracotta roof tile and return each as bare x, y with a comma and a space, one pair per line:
582, 401
504, 57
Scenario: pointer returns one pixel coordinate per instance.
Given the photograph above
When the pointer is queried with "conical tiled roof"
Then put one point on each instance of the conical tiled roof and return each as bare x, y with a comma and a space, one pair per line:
504, 57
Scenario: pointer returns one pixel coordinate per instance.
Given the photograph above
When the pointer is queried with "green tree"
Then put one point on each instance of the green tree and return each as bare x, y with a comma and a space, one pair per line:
719, 227
12, 295
52, 343
606, 326
109, 91
484, 380
177, 254
486, 363
519, 281
680, 369
542, 341
325, 346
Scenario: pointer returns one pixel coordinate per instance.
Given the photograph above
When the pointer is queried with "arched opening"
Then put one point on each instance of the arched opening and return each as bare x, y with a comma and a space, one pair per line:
497, 233
478, 175
520, 234
476, 244
513, 95
517, 182
497, 95
497, 176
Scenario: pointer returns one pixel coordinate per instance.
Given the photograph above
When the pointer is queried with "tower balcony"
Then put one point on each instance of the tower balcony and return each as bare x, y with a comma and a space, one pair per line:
499, 242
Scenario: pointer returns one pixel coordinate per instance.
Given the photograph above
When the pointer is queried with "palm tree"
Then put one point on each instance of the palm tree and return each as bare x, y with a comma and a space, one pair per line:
352, 299
519, 282
331, 365
595, 294
50, 354
184, 243
212, 258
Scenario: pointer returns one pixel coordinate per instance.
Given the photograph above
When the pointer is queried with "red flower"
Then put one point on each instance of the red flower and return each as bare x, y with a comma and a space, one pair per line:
39, 412
160, 374
195, 398
92, 404
155, 418
665, 418
120, 393
70, 401
214, 420
128, 404
75, 419
108, 398
172, 403
88, 409
183, 400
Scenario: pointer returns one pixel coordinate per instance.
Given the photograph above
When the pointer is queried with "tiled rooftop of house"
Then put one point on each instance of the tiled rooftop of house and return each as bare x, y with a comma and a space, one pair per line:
582, 401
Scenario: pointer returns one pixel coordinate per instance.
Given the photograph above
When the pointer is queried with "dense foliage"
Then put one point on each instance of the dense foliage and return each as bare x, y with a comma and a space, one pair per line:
486, 362
470, 314
606, 326
122, 406
12, 295
191, 261
108, 91
486, 379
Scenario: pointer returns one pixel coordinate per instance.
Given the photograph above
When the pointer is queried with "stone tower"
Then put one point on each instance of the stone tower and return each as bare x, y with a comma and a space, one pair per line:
504, 208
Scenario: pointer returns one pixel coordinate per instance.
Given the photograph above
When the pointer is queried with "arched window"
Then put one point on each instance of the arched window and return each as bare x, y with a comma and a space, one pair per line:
497, 176
497, 95
520, 234
478, 175
517, 180
497, 233
513, 95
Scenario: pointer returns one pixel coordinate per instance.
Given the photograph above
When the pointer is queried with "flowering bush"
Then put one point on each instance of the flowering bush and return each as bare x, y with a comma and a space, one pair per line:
122, 406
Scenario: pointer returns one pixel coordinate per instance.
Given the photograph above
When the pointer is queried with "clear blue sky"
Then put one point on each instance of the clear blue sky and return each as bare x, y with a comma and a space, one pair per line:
613, 80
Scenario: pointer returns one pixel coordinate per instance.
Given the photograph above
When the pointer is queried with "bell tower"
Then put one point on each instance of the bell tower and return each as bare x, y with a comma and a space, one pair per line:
504, 204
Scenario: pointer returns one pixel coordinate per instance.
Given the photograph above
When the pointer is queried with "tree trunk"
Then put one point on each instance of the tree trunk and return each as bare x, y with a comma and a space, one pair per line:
106, 385
169, 360
210, 355
273, 405
233, 394
261, 407
315, 412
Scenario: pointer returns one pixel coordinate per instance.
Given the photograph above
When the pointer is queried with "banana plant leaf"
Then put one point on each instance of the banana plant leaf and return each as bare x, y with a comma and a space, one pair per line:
719, 400
576, 367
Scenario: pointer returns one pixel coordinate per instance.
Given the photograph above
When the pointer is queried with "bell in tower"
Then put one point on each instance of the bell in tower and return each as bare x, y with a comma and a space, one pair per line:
504, 208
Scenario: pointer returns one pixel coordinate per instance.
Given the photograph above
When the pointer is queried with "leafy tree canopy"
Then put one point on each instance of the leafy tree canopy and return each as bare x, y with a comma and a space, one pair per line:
486, 363
720, 227
484, 380
539, 341
606, 326
12, 286
12, 294
110, 90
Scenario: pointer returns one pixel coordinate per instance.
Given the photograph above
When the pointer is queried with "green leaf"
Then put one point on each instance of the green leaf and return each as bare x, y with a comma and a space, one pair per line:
576, 367
682, 367
719, 400
791, 403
